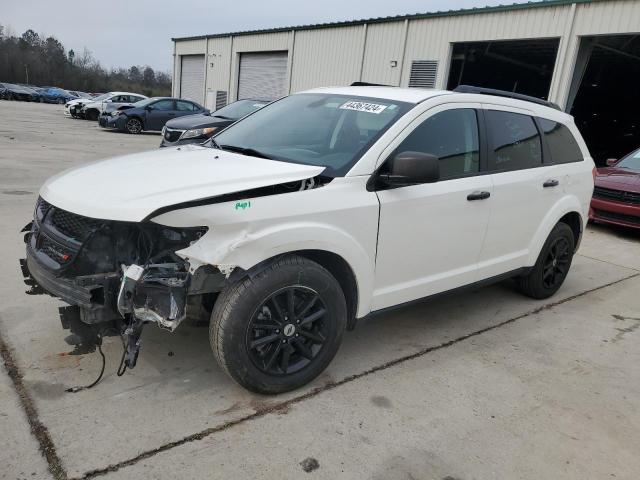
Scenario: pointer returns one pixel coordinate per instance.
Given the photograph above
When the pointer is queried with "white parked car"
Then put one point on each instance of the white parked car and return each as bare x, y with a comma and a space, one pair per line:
309, 214
72, 107
93, 109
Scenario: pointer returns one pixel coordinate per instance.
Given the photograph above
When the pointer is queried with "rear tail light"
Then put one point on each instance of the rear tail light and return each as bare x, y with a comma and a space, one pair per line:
594, 172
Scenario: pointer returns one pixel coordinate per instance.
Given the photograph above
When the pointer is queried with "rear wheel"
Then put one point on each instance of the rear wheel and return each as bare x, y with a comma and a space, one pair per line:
278, 330
552, 266
133, 125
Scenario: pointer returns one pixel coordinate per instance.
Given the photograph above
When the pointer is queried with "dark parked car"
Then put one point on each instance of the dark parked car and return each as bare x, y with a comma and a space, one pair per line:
199, 128
616, 196
57, 95
10, 91
149, 114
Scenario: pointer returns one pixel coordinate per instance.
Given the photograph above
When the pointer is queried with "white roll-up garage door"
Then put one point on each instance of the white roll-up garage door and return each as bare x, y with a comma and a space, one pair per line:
192, 78
262, 75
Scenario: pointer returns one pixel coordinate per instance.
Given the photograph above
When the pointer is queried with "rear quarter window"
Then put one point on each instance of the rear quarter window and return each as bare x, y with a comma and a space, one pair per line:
514, 141
563, 147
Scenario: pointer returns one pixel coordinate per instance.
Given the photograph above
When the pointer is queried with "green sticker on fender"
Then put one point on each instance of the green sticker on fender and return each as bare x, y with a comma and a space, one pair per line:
243, 205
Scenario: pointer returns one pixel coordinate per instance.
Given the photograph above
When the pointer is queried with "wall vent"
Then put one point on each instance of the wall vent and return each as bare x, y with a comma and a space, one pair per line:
221, 99
423, 73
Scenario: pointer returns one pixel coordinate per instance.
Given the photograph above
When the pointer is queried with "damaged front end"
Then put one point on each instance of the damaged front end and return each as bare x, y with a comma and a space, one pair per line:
116, 276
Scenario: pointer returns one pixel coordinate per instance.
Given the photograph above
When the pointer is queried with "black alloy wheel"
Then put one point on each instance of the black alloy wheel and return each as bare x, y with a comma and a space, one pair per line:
287, 331
552, 266
556, 265
277, 329
133, 125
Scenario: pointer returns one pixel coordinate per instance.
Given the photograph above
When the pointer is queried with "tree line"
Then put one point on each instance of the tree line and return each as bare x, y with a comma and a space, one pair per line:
34, 60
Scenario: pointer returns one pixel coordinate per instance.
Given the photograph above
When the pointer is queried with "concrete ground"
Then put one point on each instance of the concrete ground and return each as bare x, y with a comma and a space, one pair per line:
482, 384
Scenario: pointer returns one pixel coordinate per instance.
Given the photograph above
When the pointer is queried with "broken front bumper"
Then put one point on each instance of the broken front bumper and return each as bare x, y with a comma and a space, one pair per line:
90, 292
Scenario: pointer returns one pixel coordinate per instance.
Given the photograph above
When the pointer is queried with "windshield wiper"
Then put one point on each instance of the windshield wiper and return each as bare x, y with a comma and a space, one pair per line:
222, 117
245, 151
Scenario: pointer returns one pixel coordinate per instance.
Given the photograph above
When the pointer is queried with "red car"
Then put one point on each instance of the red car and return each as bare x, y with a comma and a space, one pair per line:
616, 196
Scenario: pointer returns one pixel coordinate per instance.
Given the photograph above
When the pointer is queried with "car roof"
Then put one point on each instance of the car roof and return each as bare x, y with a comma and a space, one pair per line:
127, 93
418, 95
410, 95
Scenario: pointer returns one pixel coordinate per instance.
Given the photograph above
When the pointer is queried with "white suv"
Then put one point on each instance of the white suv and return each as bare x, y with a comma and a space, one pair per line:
308, 214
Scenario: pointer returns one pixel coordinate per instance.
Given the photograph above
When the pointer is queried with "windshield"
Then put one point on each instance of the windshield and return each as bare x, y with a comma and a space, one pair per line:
326, 130
239, 109
631, 161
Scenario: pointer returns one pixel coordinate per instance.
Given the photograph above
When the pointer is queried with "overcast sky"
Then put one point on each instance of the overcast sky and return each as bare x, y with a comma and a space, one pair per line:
121, 33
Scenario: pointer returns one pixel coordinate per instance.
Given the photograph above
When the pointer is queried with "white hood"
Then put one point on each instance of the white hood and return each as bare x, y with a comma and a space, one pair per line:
79, 100
131, 187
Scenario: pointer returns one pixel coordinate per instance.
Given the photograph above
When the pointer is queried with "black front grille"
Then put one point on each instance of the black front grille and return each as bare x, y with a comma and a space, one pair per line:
616, 195
54, 251
171, 135
73, 225
620, 217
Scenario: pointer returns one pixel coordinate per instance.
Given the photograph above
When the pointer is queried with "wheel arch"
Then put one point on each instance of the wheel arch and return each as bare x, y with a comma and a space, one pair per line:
335, 264
568, 210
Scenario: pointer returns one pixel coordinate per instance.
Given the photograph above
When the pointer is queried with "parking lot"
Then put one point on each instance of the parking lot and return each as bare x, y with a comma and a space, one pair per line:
474, 385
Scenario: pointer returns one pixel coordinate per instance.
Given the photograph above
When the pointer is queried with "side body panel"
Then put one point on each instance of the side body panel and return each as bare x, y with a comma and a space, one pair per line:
430, 235
340, 217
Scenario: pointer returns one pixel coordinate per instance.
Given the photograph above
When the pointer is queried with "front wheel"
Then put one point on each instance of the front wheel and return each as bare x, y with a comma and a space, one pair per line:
91, 114
552, 266
133, 125
278, 330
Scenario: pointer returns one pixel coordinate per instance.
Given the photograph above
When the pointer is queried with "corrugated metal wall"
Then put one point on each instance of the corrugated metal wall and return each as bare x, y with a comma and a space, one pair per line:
327, 57
385, 44
342, 55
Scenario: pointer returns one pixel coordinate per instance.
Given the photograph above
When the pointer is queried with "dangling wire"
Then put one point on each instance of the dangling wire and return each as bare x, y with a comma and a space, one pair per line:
122, 367
104, 361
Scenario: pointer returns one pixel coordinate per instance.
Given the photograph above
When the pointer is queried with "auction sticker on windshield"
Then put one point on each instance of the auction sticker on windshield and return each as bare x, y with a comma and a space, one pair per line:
363, 106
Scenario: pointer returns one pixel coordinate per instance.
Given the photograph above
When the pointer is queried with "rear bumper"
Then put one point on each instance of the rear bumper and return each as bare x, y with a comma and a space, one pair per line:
616, 213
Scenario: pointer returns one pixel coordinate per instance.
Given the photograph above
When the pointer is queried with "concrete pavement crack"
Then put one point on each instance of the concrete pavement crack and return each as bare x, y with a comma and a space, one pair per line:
330, 386
38, 429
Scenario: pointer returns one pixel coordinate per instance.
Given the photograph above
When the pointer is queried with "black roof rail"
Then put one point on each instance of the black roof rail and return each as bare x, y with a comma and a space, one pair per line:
367, 84
504, 93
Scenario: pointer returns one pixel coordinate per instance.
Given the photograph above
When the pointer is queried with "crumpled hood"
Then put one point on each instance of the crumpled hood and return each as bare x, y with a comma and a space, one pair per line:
130, 187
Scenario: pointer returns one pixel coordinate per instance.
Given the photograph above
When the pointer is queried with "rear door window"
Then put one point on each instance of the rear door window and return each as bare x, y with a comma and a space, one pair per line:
561, 142
514, 141
183, 106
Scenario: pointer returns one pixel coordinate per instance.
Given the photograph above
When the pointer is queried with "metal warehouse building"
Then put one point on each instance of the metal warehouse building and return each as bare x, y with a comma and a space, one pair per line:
582, 54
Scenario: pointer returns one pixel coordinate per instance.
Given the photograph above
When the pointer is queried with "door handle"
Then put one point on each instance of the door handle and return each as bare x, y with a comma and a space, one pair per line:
478, 196
551, 183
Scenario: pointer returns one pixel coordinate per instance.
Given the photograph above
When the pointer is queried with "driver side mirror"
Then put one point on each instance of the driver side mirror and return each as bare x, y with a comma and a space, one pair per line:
148, 108
611, 162
412, 168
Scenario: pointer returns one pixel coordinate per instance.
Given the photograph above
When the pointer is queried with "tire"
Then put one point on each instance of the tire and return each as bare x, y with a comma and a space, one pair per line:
91, 115
552, 266
60, 101
133, 125
245, 320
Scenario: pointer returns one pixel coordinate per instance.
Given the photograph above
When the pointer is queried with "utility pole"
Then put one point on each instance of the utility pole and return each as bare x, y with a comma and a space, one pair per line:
26, 72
